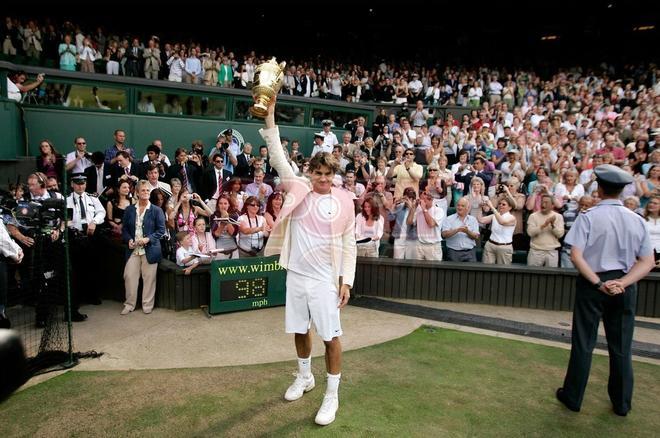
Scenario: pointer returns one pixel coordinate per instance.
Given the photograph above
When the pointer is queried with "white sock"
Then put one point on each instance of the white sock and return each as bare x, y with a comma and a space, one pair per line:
333, 384
305, 366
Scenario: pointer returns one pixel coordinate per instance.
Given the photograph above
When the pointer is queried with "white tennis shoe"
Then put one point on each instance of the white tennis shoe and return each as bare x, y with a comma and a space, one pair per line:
299, 386
328, 409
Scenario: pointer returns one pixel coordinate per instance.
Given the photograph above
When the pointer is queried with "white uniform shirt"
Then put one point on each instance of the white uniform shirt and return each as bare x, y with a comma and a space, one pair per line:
330, 139
94, 211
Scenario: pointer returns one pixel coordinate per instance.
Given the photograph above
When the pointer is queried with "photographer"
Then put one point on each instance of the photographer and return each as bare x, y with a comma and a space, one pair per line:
38, 235
88, 214
227, 146
16, 86
78, 160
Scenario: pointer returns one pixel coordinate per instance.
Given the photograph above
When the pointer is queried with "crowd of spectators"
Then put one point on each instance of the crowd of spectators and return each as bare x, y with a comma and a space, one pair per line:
509, 177
72, 47
502, 183
496, 181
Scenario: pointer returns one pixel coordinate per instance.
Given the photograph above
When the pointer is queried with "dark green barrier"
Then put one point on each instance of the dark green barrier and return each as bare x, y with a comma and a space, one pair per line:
245, 284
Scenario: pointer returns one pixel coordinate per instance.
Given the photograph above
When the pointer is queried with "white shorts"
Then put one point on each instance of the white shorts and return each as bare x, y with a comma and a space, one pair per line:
311, 300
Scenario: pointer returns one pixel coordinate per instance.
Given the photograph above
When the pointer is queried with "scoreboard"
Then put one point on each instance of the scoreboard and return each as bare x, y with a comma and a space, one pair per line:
246, 284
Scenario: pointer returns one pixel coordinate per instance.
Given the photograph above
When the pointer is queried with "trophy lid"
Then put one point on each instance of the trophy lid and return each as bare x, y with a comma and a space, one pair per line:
273, 60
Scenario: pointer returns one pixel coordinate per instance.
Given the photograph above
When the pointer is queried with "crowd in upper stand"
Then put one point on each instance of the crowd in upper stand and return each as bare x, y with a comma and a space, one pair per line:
507, 178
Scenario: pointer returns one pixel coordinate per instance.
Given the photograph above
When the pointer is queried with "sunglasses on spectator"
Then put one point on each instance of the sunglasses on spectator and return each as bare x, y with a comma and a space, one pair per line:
433, 170
81, 142
253, 205
410, 153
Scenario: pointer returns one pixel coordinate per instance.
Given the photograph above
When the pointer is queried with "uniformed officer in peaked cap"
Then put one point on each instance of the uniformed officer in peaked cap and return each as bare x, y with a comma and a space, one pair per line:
88, 215
611, 250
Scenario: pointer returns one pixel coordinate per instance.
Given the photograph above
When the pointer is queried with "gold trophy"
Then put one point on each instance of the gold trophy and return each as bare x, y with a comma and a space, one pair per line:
267, 83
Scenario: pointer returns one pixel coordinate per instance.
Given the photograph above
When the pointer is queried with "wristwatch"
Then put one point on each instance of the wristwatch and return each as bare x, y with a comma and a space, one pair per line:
598, 285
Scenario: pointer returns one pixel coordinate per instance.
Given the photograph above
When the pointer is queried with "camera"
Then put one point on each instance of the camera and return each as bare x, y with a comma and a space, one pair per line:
225, 145
43, 214
500, 189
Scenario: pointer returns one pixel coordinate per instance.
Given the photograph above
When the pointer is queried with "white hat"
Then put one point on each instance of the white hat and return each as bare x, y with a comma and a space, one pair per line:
486, 125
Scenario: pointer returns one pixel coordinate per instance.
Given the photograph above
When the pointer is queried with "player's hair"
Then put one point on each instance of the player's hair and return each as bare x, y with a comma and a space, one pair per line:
323, 159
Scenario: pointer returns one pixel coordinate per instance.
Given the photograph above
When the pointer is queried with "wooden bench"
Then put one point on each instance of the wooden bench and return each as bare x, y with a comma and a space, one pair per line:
177, 291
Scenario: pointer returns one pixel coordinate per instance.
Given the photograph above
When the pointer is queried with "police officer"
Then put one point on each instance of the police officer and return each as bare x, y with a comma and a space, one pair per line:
611, 250
88, 214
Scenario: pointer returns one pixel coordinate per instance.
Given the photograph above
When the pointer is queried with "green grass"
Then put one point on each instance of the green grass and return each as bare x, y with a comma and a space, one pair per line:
434, 382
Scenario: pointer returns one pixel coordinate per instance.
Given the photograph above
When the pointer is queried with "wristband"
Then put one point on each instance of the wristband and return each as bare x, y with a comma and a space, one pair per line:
598, 285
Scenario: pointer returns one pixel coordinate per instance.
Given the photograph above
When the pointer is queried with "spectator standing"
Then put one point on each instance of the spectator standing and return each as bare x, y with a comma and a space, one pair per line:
253, 229
406, 172
78, 160
419, 115
32, 40
273, 207
10, 37
494, 91
368, 229
116, 207
584, 204
99, 175
210, 66
404, 230
225, 73
177, 66
499, 248
475, 93
112, 57
151, 55
193, 68
429, 220
461, 232
652, 217
87, 57
119, 145
50, 162
68, 54
143, 227
545, 228
134, 58
223, 228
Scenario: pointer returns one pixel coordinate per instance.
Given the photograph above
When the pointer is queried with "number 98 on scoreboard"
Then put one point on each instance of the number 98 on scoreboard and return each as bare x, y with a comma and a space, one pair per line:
246, 284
